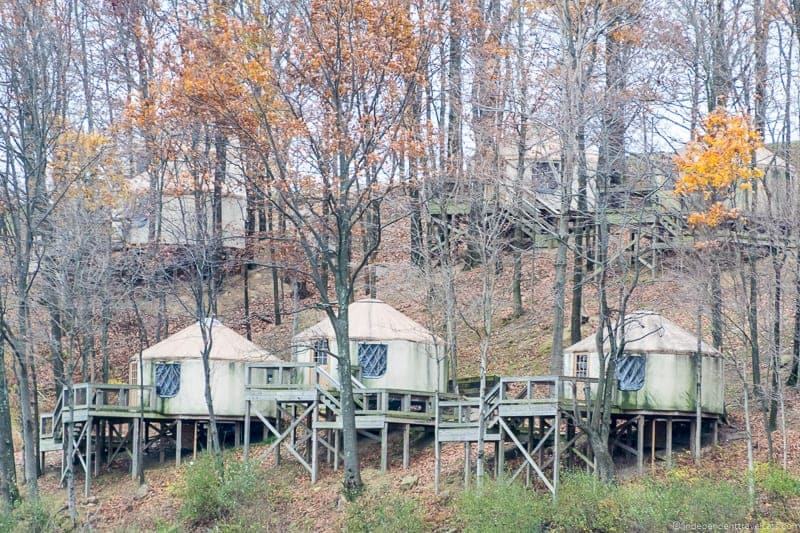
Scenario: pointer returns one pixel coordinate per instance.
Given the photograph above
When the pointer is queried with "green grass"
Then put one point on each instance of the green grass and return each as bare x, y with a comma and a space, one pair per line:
586, 504
500, 506
29, 516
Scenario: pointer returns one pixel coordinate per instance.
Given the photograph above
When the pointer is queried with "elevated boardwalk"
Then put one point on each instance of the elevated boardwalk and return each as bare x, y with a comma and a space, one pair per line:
108, 421
309, 412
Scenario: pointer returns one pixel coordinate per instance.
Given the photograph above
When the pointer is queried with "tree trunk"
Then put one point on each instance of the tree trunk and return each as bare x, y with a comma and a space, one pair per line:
9, 493
352, 468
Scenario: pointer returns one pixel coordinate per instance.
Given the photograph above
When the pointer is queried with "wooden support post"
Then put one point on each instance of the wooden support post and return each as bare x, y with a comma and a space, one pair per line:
335, 450
208, 436
529, 447
406, 446
328, 452
556, 453
716, 432
640, 443
309, 427
98, 452
500, 453
467, 466
88, 468
540, 433
178, 438
135, 462
237, 435
406, 433
293, 436
278, 445
162, 451
385, 447
314, 444
247, 430
194, 445
110, 440
653, 445
669, 442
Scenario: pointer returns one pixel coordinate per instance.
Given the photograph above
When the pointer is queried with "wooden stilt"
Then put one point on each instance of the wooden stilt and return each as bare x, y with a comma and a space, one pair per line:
194, 444
135, 463
247, 431
640, 444
653, 445
278, 446
314, 450
237, 435
88, 465
162, 449
178, 438
99, 444
500, 454
110, 440
716, 432
669, 442
556, 453
335, 450
208, 436
385, 448
406, 446
328, 452
467, 466
529, 447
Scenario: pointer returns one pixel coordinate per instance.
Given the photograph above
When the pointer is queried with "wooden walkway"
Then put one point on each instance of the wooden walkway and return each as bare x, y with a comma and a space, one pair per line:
110, 421
308, 413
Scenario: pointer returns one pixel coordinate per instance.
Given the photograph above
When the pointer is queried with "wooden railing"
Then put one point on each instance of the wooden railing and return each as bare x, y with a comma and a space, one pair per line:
285, 376
555, 391
110, 397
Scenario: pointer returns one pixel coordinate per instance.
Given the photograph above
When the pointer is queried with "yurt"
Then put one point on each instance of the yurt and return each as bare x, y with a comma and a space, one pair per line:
175, 367
657, 369
388, 350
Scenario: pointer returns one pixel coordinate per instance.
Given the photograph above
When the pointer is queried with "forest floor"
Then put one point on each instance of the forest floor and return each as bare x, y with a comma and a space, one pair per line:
521, 346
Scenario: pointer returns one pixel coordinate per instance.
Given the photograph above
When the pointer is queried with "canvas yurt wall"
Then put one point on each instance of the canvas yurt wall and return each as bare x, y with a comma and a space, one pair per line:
657, 371
389, 349
175, 367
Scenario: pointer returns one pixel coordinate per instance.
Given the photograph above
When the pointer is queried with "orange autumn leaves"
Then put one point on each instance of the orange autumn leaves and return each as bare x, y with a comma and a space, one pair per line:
717, 163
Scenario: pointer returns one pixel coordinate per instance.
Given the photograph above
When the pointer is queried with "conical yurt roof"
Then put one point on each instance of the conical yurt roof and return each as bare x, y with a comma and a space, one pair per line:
650, 332
372, 320
227, 345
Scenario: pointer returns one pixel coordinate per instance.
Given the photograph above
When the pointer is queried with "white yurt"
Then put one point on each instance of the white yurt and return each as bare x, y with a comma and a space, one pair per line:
388, 350
657, 370
175, 367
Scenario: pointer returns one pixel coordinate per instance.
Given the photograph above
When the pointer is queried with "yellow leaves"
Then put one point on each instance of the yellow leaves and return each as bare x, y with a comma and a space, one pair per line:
86, 167
716, 164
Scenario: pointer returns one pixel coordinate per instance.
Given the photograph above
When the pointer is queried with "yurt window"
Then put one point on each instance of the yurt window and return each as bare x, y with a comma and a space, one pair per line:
630, 372
372, 359
321, 350
581, 365
133, 373
168, 379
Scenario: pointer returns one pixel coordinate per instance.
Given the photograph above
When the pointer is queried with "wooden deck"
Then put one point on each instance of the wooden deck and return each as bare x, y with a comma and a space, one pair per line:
307, 400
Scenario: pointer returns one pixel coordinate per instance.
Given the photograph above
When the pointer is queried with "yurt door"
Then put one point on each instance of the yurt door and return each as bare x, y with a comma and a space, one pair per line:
322, 358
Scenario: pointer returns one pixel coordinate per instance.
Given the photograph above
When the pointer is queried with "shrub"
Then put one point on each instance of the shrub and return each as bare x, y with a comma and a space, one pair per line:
500, 506
29, 516
385, 511
208, 497
776, 482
